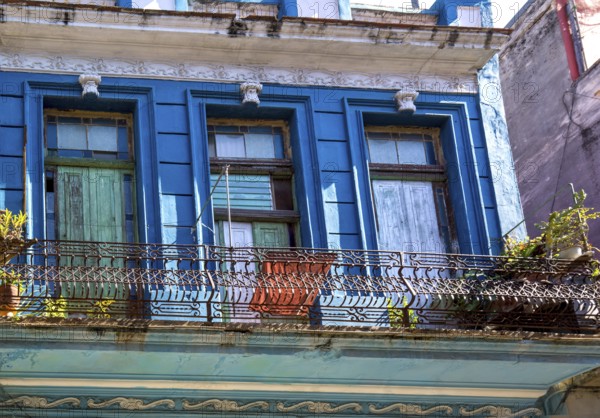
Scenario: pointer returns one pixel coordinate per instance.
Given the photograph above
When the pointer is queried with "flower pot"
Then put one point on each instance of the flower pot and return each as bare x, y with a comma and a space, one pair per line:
574, 253
289, 282
9, 299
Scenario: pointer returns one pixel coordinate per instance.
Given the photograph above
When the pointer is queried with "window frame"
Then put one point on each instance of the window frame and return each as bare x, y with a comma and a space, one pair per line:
125, 167
433, 173
275, 168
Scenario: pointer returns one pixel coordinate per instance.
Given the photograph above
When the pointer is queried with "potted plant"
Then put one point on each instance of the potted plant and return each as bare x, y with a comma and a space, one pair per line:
290, 281
9, 293
11, 245
566, 230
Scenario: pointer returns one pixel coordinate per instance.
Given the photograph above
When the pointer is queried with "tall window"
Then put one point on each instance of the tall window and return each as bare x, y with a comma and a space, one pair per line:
409, 189
89, 176
260, 183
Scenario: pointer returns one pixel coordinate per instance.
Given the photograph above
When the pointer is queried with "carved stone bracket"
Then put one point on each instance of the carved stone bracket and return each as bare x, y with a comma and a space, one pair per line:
89, 84
406, 100
250, 91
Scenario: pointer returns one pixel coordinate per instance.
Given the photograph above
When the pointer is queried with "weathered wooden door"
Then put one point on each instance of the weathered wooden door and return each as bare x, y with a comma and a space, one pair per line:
90, 207
90, 204
407, 219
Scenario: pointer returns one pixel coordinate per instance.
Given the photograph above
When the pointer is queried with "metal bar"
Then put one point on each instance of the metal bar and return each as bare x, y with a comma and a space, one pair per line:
353, 288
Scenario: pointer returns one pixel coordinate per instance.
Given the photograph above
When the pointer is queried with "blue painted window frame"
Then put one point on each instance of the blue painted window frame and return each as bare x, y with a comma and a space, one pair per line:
299, 115
457, 144
145, 152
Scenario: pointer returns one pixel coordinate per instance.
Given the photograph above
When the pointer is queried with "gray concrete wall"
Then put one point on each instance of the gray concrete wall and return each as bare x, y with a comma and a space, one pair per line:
552, 121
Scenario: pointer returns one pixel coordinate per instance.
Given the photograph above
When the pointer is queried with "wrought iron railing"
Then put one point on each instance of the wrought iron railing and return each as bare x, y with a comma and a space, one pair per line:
317, 287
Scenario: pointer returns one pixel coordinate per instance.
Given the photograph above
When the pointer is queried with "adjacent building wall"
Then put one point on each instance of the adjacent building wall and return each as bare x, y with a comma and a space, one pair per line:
552, 121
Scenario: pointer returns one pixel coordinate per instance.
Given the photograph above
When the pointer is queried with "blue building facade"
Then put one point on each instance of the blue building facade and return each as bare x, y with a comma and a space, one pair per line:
164, 151
328, 171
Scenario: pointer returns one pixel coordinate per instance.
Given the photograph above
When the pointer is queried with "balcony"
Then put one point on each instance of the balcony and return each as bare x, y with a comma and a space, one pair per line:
211, 284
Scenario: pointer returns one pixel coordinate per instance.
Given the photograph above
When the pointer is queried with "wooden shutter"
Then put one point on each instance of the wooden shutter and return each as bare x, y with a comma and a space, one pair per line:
406, 216
267, 234
90, 204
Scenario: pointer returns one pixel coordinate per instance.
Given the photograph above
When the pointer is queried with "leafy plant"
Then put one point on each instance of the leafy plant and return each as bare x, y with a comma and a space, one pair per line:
568, 227
11, 226
401, 317
10, 278
529, 247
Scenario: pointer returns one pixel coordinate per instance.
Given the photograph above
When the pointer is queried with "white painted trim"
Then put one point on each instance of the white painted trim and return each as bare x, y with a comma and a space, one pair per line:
227, 73
276, 387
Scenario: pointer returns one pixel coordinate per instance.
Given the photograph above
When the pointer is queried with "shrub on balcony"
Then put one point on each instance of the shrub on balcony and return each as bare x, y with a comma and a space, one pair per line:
564, 236
11, 244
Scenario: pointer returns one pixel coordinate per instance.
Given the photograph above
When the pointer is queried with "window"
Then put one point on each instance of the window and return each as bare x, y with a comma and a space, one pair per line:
261, 194
409, 189
89, 176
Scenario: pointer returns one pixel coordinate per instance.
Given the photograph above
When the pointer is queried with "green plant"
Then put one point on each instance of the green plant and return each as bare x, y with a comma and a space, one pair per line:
10, 278
401, 317
11, 226
568, 227
528, 247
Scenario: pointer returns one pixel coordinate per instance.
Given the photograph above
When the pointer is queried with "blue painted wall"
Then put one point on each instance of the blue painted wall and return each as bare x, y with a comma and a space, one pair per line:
329, 150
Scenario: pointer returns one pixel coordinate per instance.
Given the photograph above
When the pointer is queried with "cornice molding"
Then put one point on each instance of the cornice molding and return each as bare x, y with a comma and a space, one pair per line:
227, 73
266, 406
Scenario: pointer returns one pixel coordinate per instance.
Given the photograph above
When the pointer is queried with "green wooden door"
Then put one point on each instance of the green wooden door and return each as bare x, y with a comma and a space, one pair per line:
90, 204
270, 234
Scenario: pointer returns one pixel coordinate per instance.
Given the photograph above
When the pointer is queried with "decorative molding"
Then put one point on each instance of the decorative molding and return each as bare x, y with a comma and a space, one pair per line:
225, 405
250, 91
500, 412
39, 402
89, 84
41, 63
319, 407
313, 407
411, 409
405, 99
131, 404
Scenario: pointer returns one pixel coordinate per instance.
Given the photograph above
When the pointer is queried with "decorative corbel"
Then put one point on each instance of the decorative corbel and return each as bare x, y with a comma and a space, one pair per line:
250, 91
89, 84
406, 100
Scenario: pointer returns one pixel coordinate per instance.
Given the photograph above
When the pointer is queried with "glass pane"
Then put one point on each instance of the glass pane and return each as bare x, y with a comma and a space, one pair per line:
123, 140
226, 129
65, 119
282, 190
104, 122
230, 146
261, 129
411, 137
50, 217
212, 148
51, 135
259, 146
430, 153
382, 151
411, 152
278, 143
72, 137
104, 155
378, 135
102, 138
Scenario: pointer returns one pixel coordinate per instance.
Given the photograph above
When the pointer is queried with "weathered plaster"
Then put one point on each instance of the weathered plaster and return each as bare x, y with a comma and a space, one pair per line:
553, 122
295, 369
502, 170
